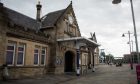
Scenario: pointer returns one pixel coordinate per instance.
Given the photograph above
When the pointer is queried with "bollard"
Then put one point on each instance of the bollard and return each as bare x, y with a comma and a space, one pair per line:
78, 72
93, 69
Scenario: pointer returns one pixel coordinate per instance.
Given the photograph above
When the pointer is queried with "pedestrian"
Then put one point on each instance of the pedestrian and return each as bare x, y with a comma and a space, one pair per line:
108, 62
5, 74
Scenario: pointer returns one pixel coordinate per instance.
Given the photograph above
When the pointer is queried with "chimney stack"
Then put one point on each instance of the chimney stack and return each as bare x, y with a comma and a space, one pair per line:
38, 6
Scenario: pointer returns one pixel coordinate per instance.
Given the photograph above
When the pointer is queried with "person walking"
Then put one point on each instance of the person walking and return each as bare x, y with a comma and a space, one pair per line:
5, 74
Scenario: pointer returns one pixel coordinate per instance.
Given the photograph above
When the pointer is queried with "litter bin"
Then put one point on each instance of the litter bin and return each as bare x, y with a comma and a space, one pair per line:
138, 73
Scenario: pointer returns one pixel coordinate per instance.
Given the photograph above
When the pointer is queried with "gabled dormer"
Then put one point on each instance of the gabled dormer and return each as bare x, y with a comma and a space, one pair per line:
71, 27
63, 22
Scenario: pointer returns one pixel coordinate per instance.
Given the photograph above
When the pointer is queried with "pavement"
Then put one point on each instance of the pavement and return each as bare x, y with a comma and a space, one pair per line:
107, 74
104, 74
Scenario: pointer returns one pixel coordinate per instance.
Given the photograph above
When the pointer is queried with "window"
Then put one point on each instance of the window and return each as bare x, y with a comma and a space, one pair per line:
43, 56
10, 53
40, 55
68, 28
20, 55
36, 56
70, 18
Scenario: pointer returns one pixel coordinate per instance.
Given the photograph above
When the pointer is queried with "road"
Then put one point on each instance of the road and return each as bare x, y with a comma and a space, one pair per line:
104, 74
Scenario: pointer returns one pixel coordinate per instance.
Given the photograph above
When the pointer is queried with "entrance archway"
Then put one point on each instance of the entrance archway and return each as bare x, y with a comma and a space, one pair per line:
69, 62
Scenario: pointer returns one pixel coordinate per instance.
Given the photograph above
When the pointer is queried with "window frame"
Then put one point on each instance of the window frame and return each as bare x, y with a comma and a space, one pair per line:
44, 57
24, 46
14, 53
34, 57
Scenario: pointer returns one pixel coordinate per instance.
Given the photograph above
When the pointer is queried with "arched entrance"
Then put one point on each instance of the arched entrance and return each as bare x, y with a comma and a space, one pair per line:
69, 62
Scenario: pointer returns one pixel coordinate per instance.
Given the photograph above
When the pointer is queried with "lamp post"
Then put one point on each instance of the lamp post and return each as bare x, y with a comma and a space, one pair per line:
135, 31
132, 45
132, 52
129, 42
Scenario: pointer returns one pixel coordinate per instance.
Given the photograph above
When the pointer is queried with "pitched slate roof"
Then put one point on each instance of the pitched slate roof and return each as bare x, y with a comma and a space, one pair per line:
20, 19
50, 19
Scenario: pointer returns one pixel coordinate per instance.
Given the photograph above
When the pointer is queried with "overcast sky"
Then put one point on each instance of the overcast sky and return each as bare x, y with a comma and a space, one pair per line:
107, 20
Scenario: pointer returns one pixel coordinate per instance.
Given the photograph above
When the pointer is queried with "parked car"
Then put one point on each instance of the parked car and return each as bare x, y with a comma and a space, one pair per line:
118, 64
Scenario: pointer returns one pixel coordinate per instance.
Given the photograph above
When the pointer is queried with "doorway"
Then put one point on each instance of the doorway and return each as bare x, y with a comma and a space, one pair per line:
69, 62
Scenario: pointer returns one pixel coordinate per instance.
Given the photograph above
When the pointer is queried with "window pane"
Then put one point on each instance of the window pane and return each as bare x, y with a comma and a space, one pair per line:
35, 58
9, 57
43, 51
10, 47
42, 59
20, 48
43, 55
35, 51
20, 58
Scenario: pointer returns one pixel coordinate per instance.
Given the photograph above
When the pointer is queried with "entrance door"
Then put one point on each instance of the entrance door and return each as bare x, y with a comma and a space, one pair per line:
69, 61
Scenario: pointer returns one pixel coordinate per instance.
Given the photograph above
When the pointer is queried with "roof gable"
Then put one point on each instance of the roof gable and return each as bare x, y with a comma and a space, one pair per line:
49, 20
52, 18
93, 37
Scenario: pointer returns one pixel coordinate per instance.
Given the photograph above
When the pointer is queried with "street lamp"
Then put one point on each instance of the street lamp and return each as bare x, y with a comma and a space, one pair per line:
135, 31
129, 42
116, 1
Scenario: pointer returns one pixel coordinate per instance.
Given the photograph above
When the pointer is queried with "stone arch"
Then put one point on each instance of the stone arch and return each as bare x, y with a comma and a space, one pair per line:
69, 62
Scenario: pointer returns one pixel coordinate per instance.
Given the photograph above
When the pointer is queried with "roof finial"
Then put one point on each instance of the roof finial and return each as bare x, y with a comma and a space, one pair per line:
71, 1
39, 2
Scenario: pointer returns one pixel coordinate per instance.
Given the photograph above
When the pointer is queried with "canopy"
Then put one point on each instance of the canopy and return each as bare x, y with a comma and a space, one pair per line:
87, 41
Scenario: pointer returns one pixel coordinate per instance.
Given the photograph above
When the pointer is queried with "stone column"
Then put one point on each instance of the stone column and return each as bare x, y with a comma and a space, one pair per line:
78, 45
78, 64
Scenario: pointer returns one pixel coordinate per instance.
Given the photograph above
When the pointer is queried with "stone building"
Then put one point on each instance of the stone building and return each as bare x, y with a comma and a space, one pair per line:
126, 58
131, 57
51, 44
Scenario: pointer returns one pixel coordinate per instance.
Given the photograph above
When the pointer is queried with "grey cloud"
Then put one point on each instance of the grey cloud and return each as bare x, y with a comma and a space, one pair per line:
109, 21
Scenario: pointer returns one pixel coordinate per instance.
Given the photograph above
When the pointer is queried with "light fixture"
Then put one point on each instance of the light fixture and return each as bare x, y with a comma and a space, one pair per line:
123, 35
